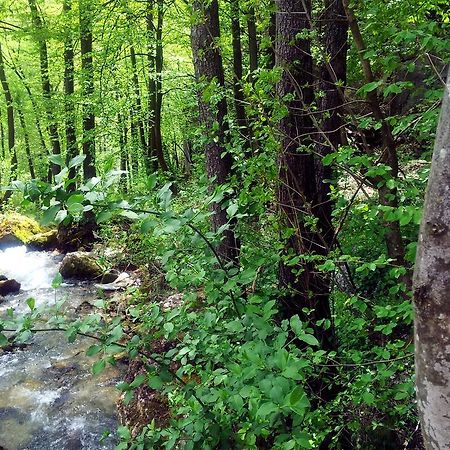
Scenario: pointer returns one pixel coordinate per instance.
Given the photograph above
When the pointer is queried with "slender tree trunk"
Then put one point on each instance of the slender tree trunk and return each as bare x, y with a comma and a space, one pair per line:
69, 90
11, 125
241, 118
205, 32
431, 295
137, 94
87, 67
159, 96
306, 286
27, 143
252, 39
152, 163
272, 34
52, 126
2, 136
387, 196
123, 152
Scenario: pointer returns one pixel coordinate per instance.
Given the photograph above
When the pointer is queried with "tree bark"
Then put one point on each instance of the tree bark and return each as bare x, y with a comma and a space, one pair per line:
52, 126
387, 196
69, 91
205, 32
252, 39
137, 99
305, 286
333, 73
431, 295
26, 139
87, 77
11, 125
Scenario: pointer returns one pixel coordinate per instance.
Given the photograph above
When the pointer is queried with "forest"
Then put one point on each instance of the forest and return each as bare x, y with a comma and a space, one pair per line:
224, 224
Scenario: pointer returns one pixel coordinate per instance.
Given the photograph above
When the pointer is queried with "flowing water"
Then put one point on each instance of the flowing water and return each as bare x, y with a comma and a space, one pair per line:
49, 400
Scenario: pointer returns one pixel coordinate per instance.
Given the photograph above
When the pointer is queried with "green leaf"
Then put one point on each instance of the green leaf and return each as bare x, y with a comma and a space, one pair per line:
3, 340
75, 208
49, 215
75, 198
298, 398
98, 367
266, 409
57, 280
56, 159
93, 350
139, 379
76, 161
309, 339
104, 216
31, 302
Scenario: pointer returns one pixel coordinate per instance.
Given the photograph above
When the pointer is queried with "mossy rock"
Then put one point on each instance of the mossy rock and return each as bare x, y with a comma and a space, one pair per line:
17, 229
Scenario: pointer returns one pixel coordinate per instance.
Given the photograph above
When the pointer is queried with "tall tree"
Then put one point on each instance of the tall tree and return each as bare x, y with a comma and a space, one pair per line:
87, 81
69, 91
431, 300
52, 124
333, 75
205, 33
388, 195
305, 286
10, 122
252, 39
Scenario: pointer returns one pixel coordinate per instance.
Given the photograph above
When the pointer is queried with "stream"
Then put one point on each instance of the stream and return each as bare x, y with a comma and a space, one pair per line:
49, 398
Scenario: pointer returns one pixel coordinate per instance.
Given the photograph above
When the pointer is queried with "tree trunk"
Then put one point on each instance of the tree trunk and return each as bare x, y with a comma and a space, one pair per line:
205, 32
431, 295
387, 196
87, 89
27, 143
69, 90
52, 126
252, 39
158, 85
333, 74
305, 286
152, 163
137, 99
11, 126
241, 119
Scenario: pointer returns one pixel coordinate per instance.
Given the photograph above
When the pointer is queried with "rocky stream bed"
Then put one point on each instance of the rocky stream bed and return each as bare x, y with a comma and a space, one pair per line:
49, 398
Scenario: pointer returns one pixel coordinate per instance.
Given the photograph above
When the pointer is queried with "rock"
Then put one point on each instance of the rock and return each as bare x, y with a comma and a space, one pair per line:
8, 287
43, 241
72, 237
3, 278
122, 281
80, 266
109, 277
16, 230
9, 240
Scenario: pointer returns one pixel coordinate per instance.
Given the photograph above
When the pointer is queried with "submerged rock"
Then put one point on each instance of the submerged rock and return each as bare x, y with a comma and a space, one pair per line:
80, 266
8, 287
8, 240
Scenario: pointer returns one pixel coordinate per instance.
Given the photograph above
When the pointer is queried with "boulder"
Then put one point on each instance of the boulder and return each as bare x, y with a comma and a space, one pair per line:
17, 229
8, 287
80, 266
43, 241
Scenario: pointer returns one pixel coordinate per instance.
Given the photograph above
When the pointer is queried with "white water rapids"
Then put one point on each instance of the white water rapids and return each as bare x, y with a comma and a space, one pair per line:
49, 400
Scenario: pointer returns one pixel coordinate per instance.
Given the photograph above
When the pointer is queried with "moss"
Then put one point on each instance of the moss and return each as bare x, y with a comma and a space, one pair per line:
23, 227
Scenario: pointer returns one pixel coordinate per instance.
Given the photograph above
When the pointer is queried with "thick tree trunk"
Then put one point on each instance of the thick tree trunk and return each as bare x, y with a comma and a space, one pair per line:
87, 89
69, 90
333, 74
305, 286
52, 126
431, 295
11, 125
205, 32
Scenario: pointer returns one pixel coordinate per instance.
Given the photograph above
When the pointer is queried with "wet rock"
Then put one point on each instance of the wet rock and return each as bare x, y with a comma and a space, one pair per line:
147, 403
80, 266
43, 241
122, 281
84, 308
3, 278
8, 287
109, 277
17, 229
